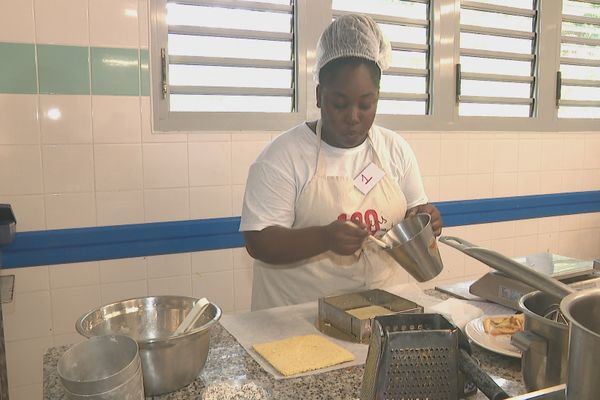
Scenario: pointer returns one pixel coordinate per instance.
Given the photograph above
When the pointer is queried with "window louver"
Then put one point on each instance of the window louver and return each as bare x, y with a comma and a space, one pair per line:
230, 56
578, 91
405, 87
497, 69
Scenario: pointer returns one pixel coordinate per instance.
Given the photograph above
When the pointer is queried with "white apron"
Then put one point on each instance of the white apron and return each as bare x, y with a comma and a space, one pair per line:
325, 199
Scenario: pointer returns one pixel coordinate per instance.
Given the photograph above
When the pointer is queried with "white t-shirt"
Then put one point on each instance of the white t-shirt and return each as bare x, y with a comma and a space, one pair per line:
286, 165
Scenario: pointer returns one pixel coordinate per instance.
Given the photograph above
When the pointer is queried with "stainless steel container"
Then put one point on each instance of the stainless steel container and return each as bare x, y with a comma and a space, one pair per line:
102, 368
544, 343
583, 311
168, 362
335, 320
414, 247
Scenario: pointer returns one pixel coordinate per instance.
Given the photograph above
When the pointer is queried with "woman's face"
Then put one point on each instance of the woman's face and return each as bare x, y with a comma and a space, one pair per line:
348, 104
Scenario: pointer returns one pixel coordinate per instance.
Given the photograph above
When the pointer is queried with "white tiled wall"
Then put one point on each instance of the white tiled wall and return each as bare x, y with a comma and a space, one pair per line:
99, 164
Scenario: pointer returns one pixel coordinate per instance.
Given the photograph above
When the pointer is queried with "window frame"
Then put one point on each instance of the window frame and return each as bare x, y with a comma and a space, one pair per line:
312, 17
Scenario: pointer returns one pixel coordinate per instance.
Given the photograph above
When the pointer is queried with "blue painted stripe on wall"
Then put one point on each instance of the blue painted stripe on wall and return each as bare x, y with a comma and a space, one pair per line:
468, 212
123, 241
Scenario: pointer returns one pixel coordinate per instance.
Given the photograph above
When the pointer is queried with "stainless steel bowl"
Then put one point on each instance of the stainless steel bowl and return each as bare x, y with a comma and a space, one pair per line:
168, 362
99, 365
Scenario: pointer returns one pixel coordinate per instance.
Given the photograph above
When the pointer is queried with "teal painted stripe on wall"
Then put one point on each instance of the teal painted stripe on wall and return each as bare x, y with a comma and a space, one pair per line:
66, 70
17, 68
123, 241
63, 69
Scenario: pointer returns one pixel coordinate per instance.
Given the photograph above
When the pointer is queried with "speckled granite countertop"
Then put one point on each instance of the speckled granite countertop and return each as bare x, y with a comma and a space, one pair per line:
228, 360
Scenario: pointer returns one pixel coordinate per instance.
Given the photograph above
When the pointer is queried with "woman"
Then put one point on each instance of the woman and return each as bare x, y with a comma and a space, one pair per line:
310, 181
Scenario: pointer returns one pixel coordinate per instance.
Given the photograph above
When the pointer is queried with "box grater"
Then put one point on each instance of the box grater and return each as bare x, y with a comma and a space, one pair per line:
412, 356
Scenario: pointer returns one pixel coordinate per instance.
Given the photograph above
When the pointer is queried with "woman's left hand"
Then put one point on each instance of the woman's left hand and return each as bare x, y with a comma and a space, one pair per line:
436, 217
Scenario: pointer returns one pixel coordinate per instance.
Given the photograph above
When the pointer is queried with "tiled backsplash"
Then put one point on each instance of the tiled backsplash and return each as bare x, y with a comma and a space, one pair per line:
76, 150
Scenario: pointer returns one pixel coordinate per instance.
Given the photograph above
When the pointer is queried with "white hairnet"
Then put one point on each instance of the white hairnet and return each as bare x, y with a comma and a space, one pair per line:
353, 35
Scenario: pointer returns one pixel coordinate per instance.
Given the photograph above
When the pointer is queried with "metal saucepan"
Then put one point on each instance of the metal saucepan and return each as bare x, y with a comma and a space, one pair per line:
544, 343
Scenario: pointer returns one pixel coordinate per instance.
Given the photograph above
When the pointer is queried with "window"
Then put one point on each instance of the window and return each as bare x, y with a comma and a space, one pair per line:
227, 58
496, 72
578, 93
405, 86
463, 65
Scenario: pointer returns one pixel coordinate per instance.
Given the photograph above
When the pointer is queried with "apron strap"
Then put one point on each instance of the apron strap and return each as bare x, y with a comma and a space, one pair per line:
320, 171
377, 158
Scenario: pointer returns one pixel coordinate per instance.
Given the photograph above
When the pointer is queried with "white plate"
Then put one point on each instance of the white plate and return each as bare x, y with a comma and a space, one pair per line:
498, 344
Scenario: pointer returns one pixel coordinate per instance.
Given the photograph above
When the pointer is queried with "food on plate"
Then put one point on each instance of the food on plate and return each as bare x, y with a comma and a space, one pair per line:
298, 354
504, 325
369, 312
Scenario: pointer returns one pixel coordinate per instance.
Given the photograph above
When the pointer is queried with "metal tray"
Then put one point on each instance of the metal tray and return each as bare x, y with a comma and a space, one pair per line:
335, 321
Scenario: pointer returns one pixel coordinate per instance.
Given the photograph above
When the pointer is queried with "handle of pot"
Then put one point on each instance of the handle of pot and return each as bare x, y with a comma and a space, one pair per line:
456, 242
526, 340
483, 381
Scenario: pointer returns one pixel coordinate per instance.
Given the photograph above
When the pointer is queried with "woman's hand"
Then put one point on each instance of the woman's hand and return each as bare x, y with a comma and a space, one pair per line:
279, 245
436, 217
345, 238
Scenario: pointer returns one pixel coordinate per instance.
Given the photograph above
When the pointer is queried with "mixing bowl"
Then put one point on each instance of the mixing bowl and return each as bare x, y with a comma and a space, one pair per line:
168, 362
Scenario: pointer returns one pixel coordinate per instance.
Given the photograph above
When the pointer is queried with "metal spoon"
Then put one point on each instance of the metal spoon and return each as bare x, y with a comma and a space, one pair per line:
379, 242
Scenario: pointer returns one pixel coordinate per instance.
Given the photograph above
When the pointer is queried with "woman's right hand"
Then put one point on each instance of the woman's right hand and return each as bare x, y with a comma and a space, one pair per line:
344, 237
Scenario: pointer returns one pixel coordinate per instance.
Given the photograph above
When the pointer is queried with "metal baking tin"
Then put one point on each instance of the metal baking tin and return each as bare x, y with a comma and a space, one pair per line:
334, 321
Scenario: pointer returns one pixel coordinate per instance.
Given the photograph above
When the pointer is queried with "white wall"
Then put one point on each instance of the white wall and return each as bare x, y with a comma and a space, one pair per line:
101, 165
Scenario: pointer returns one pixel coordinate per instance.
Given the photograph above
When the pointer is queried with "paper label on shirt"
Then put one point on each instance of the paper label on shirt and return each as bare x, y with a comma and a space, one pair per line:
368, 178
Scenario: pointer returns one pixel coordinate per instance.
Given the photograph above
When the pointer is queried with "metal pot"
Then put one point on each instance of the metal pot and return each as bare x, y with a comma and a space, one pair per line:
583, 312
544, 343
168, 362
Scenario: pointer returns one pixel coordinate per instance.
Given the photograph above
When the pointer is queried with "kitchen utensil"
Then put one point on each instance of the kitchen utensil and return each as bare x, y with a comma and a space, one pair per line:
335, 321
502, 289
414, 247
512, 268
543, 342
582, 309
102, 368
413, 357
378, 242
418, 356
168, 362
191, 318
373, 239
